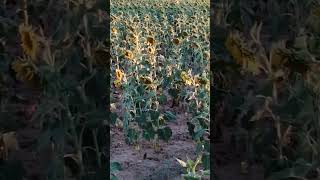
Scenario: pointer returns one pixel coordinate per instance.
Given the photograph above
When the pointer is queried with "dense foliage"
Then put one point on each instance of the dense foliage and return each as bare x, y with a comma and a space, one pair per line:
266, 73
53, 84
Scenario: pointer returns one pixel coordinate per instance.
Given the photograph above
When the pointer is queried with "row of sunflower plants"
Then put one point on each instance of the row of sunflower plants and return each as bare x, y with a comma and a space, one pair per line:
274, 96
160, 51
53, 53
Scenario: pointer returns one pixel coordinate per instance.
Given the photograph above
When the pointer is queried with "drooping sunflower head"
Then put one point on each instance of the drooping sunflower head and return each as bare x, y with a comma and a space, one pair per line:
186, 78
128, 54
29, 41
119, 74
176, 41
243, 54
114, 31
184, 34
117, 83
202, 80
233, 45
146, 17
25, 72
151, 41
194, 45
146, 80
151, 50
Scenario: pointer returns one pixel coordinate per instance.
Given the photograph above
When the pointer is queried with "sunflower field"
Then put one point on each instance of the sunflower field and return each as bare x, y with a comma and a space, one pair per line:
160, 70
53, 90
266, 96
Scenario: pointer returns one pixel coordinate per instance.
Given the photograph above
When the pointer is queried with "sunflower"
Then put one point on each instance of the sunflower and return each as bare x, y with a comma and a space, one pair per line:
196, 81
24, 71
128, 54
186, 78
29, 40
151, 50
233, 45
207, 87
146, 79
117, 83
151, 41
206, 55
202, 80
242, 55
171, 30
176, 41
194, 45
119, 74
114, 31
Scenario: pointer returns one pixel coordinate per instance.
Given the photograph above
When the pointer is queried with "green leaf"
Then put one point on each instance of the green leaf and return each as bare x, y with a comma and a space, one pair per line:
174, 92
149, 134
165, 133
206, 161
113, 177
154, 114
162, 99
142, 119
169, 116
132, 136
199, 134
191, 128
115, 166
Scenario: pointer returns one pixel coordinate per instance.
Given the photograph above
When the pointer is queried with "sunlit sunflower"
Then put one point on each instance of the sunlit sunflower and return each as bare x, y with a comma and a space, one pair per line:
119, 74
117, 83
186, 78
151, 50
128, 54
29, 40
196, 81
114, 31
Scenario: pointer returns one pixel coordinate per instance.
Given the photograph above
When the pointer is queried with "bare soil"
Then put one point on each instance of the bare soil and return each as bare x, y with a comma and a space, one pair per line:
146, 163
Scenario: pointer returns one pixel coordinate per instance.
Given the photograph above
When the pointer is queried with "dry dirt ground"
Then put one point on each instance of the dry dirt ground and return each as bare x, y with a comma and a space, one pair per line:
156, 165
